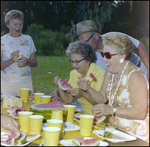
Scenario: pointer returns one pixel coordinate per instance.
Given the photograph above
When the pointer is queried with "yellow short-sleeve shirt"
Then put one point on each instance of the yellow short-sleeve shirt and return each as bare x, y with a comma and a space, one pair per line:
98, 72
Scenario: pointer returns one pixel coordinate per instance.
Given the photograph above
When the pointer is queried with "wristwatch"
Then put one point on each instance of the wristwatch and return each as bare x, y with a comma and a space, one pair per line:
114, 110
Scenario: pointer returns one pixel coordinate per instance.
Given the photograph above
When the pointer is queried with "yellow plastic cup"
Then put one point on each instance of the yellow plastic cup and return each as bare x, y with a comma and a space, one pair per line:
37, 98
45, 98
24, 120
86, 124
55, 123
57, 114
24, 94
51, 136
70, 112
35, 124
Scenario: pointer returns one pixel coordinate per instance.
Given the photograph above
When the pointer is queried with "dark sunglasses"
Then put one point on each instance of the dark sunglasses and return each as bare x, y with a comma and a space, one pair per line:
90, 37
107, 55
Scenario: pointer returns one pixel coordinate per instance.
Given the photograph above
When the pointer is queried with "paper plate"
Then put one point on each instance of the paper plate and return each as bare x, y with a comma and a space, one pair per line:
118, 136
2, 133
69, 142
67, 126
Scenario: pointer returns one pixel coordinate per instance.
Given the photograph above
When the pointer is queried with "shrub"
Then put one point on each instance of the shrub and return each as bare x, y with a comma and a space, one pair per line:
48, 42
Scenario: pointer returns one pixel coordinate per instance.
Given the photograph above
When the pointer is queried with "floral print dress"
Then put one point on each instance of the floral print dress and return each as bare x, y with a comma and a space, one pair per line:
138, 128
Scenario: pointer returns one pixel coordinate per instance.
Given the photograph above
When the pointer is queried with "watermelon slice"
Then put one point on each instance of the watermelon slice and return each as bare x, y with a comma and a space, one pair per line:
22, 138
33, 137
14, 137
92, 76
14, 115
97, 119
86, 142
15, 109
45, 109
64, 85
78, 141
55, 99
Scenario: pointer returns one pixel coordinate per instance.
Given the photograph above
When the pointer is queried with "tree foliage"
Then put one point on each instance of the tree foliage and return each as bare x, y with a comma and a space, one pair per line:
130, 17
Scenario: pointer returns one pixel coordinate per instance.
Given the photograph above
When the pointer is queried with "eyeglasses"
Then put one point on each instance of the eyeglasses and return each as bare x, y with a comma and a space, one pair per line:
107, 55
90, 37
76, 61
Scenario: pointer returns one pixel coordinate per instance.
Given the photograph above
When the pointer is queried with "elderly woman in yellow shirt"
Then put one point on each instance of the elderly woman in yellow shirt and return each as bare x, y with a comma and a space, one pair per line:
81, 56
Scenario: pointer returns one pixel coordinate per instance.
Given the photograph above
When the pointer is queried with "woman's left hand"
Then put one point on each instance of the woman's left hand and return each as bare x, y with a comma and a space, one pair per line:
75, 92
102, 109
23, 62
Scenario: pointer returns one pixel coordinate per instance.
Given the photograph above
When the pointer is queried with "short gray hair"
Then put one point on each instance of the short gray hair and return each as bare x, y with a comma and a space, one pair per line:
82, 48
13, 14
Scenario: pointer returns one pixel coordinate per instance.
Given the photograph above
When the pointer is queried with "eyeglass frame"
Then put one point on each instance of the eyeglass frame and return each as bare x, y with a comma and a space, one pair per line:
104, 54
90, 37
76, 62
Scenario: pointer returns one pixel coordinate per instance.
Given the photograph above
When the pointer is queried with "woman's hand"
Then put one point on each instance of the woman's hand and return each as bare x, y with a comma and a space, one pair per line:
56, 79
22, 62
83, 84
14, 55
76, 92
9, 123
102, 109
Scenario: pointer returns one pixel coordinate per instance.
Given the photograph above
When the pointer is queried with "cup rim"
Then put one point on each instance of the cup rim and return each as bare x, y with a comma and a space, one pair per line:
25, 112
54, 121
45, 96
39, 93
69, 106
87, 116
36, 116
51, 129
24, 89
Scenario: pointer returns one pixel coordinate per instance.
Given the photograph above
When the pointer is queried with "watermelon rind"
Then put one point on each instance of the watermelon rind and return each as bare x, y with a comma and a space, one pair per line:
14, 108
63, 87
76, 142
100, 120
108, 135
14, 115
14, 140
47, 112
33, 137
22, 138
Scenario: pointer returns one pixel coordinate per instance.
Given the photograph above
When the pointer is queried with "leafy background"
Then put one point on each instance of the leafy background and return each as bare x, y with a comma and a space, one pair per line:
52, 25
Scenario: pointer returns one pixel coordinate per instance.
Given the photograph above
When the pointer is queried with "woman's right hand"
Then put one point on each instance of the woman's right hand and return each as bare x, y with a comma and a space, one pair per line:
83, 84
56, 79
14, 55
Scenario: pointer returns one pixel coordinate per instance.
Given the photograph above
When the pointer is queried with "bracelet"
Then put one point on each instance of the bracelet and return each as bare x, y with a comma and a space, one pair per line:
147, 67
86, 96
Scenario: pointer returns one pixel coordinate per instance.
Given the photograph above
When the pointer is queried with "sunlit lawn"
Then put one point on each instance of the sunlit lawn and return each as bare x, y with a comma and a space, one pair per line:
49, 67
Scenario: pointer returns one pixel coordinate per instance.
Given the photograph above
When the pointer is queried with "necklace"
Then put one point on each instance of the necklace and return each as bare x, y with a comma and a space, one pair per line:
117, 85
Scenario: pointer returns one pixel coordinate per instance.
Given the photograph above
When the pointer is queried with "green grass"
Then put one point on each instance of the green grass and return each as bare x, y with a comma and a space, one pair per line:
43, 81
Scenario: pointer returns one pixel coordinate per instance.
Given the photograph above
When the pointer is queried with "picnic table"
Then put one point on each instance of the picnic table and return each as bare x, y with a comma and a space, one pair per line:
76, 133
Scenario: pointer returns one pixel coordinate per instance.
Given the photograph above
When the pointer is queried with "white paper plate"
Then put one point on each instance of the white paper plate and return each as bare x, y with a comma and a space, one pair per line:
69, 142
71, 126
2, 133
31, 98
67, 126
118, 136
